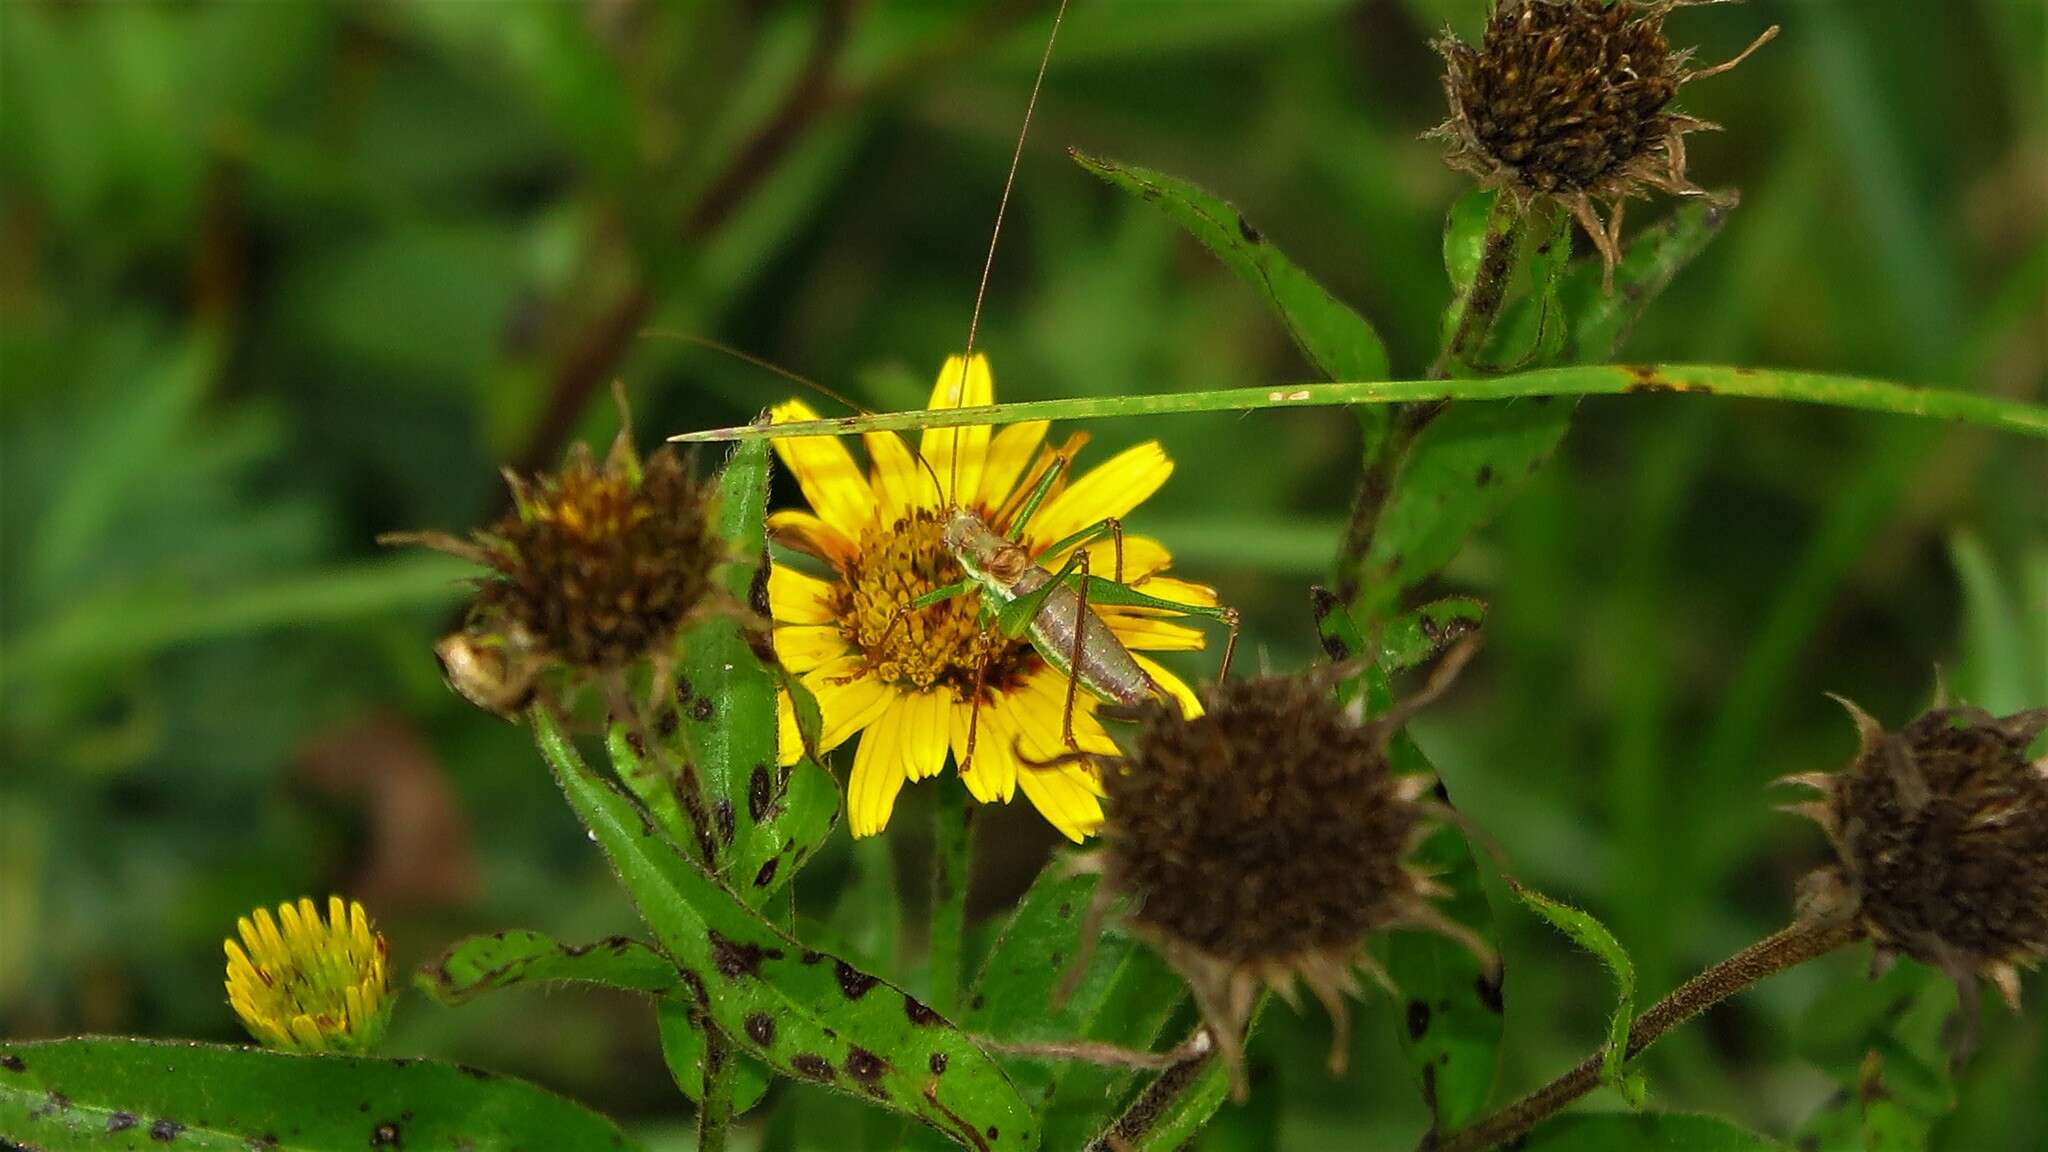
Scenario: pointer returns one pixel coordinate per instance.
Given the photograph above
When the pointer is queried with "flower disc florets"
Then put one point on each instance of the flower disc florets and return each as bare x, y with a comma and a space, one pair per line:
307, 985
1942, 833
1570, 99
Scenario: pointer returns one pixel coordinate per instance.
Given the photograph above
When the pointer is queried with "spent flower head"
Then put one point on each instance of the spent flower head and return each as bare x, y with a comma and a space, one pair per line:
595, 568
1941, 830
1570, 100
304, 984
1266, 841
920, 686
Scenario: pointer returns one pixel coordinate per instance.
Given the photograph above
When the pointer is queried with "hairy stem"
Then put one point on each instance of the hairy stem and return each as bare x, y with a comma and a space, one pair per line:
1767, 957
952, 858
714, 1115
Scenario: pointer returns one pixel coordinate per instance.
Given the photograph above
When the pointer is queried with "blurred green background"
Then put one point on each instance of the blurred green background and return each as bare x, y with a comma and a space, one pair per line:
275, 277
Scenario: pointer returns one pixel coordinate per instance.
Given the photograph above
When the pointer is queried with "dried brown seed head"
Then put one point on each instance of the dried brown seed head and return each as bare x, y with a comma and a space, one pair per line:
597, 567
1264, 842
1942, 833
1571, 99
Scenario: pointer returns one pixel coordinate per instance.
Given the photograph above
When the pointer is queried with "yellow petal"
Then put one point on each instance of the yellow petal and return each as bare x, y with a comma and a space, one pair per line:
825, 470
900, 481
1046, 714
794, 598
960, 385
877, 774
1064, 800
927, 732
991, 772
1009, 454
1190, 704
1177, 590
789, 739
848, 698
1145, 632
1111, 489
802, 647
1143, 556
806, 533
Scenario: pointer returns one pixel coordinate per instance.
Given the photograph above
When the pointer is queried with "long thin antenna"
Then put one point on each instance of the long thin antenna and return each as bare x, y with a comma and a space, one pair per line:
988, 265
758, 362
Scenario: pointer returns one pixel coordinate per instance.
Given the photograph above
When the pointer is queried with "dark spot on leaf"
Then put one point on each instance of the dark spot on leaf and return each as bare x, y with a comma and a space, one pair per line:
1440, 792
920, 1015
1053, 961
978, 1003
166, 1130
665, 724
695, 983
703, 710
766, 875
1066, 910
814, 1067
757, 588
810, 957
13, 1063
1250, 234
121, 1122
1488, 988
1429, 1086
758, 794
853, 983
938, 1063
475, 1072
760, 645
683, 691
734, 958
386, 1136
1418, 1019
363, 1107
1485, 475
865, 1067
994, 1133
761, 1028
636, 742
728, 824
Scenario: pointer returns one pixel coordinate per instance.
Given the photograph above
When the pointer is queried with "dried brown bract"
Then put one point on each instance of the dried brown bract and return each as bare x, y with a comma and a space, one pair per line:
1264, 842
596, 567
1942, 833
1570, 99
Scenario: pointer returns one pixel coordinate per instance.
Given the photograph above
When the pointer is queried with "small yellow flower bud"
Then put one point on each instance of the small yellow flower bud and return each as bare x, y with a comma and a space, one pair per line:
305, 985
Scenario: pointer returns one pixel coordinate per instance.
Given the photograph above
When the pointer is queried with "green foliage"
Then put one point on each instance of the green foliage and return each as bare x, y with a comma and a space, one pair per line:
1594, 937
1664, 1132
103, 1093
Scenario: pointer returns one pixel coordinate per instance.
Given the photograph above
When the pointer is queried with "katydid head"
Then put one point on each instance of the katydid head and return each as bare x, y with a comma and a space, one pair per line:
985, 555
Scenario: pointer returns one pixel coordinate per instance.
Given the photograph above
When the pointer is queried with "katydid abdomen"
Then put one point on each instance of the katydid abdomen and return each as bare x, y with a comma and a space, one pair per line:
1004, 571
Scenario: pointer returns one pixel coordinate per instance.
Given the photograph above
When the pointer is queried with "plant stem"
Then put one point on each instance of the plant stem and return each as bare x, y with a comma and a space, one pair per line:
1478, 306
714, 1114
952, 859
1171, 1109
1788, 948
1823, 388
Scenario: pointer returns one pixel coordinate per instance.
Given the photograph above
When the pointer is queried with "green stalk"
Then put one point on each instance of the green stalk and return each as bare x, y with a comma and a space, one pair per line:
952, 858
714, 1115
1827, 389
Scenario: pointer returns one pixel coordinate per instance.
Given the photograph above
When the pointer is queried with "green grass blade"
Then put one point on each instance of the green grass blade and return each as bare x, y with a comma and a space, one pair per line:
97, 1092
1822, 388
803, 1012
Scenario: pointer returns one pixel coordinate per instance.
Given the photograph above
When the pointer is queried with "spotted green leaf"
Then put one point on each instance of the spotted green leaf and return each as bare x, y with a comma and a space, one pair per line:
1593, 936
480, 964
106, 1093
1644, 1132
1341, 344
684, 1047
805, 1013
1602, 321
1451, 1020
1173, 1109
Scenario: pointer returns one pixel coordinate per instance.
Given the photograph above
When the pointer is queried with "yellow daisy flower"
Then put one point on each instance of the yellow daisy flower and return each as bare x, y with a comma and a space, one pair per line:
911, 688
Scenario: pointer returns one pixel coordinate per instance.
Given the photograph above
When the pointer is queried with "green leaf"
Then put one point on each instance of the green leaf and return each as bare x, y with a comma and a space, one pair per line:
1450, 1027
1416, 637
1174, 1108
100, 1092
805, 1013
1593, 936
683, 1047
481, 964
764, 822
1339, 342
1645, 1132
1125, 997
1602, 321
1460, 471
